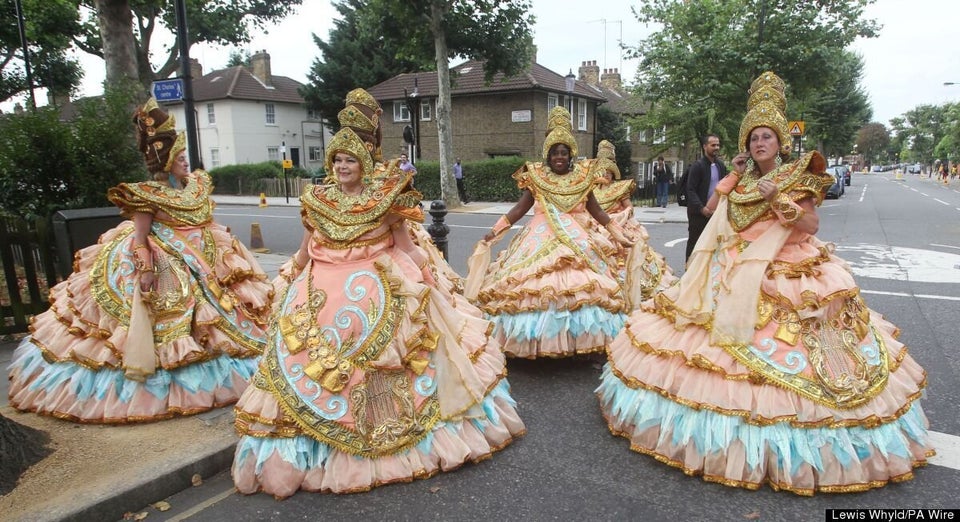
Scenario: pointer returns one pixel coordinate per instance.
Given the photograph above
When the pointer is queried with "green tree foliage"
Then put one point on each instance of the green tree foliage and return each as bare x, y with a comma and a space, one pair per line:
920, 130
47, 164
355, 55
238, 58
697, 68
873, 141
50, 26
839, 109
221, 23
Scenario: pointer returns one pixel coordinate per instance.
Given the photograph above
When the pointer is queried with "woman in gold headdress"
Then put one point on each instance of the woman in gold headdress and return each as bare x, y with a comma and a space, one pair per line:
553, 292
764, 364
641, 270
369, 376
165, 316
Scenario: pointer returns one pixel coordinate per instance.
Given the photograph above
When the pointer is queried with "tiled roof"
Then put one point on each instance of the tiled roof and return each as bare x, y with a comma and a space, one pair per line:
468, 78
240, 84
623, 102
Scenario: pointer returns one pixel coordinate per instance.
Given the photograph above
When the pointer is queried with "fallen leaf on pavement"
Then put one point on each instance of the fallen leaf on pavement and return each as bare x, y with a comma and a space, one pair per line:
162, 506
141, 515
196, 480
752, 516
434, 489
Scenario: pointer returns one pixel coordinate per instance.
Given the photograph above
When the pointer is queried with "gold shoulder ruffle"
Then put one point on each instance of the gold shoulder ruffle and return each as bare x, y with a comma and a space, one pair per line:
343, 218
609, 195
563, 191
801, 179
190, 205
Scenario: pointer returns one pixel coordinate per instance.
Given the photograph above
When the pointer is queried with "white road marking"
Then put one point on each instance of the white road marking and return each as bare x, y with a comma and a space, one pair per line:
901, 263
205, 504
904, 294
948, 450
945, 246
671, 244
941, 201
863, 193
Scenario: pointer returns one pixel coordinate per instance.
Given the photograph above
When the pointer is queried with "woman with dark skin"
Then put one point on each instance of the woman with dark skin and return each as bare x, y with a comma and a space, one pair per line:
554, 291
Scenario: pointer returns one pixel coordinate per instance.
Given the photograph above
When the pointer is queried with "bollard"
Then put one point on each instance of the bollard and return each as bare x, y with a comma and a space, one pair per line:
263, 200
256, 240
438, 229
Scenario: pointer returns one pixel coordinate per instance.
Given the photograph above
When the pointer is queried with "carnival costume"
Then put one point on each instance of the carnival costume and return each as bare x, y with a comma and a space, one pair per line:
764, 364
369, 376
104, 353
640, 269
553, 292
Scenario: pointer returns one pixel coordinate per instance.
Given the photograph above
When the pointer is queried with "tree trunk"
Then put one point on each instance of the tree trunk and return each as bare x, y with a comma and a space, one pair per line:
448, 185
116, 31
20, 448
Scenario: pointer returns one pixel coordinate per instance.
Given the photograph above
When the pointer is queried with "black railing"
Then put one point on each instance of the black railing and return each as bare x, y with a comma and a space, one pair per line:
29, 271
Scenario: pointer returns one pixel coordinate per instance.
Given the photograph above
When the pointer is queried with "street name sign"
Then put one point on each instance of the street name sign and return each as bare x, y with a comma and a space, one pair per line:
168, 90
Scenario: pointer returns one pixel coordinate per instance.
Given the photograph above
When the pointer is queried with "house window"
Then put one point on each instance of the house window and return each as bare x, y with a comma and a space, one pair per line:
581, 114
569, 101
400, 111
660, 136
273, 153
426, 111
627, 137
313, 114
211, 115
214, 155
552, 101
642, 136
315, 153
271, 114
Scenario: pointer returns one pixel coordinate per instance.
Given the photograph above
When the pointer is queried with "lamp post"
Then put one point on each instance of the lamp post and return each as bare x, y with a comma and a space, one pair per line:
413, 105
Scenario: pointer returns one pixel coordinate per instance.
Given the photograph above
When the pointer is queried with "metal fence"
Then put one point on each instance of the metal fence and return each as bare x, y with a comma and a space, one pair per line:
273, 187
29, 271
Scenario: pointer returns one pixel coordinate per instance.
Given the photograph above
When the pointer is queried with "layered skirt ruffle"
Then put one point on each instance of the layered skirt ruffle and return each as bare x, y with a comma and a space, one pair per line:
553, 296
205, 343
641, 270
695, 406
280, 450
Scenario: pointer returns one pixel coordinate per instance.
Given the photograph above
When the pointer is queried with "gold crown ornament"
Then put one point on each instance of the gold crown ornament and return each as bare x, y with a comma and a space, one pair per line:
353, 118
765, 108
347, 141
157, 138
607, 159
559, 131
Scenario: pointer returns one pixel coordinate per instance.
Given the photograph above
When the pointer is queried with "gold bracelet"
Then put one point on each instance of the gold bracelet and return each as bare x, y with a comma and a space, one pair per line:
297, 266
788, 211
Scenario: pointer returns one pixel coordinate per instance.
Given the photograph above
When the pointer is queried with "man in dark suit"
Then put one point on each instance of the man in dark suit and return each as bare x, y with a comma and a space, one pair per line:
702, 179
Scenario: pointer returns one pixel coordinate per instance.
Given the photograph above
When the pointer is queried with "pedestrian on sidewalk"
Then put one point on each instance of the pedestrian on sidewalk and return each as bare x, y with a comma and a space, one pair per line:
458, 175
662, 175
165, 316
704, 175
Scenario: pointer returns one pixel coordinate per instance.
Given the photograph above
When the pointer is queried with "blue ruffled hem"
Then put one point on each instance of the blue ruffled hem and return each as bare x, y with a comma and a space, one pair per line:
553, 323
90, 384
714, 433
305, 452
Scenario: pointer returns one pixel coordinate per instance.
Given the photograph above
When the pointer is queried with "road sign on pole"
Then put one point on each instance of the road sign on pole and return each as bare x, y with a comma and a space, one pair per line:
168, 90
796, 128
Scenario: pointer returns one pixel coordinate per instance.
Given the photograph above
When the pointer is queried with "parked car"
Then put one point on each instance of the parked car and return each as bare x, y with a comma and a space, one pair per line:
836, 190
915, 168
844, 171
876, 168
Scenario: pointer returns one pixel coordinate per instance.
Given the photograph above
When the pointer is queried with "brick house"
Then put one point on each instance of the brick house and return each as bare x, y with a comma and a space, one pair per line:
508, 117
249, 115
645, 144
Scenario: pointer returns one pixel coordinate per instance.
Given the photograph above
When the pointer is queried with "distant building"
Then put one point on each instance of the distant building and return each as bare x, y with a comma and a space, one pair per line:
507, 117
249, 115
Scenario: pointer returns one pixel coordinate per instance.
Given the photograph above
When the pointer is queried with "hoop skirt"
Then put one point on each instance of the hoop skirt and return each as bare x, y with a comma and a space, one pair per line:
810, 393
371, 375
204, 331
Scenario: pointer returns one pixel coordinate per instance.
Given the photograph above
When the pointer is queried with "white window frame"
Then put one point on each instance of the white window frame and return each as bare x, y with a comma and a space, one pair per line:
214, 156
273, 153
313, 115
660, 136
552, 101
211, 114
315, 153
426, 110
628, 132
582, 115
400, 111
270, 114
569, 105
642, 136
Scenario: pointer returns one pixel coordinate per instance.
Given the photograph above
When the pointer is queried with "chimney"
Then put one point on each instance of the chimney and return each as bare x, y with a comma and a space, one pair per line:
533, 54
260, 63
55, 99
590, 72
611, 80
196, 70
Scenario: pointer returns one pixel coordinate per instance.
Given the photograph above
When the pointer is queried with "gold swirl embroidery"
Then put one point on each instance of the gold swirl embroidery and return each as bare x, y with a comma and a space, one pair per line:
789, 211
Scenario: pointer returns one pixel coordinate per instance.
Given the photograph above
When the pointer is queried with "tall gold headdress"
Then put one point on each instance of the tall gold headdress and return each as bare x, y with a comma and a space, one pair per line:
559, 130
157, 138
607, 158
359, 133
765, 108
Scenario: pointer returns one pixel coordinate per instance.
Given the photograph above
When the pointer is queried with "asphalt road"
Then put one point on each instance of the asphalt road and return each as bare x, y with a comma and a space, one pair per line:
902, 240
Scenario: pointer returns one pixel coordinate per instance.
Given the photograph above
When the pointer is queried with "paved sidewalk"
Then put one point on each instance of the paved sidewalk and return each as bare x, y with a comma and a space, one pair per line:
673, 213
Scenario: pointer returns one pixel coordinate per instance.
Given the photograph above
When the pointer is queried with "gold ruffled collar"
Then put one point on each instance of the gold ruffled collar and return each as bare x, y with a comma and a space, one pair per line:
188, 205
563, 191
614, 192
800, 179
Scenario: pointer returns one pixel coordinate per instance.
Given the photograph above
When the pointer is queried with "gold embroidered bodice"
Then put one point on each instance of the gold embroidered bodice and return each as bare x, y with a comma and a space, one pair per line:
190, 205
343, 217
798, 180
563, 191
613, 193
